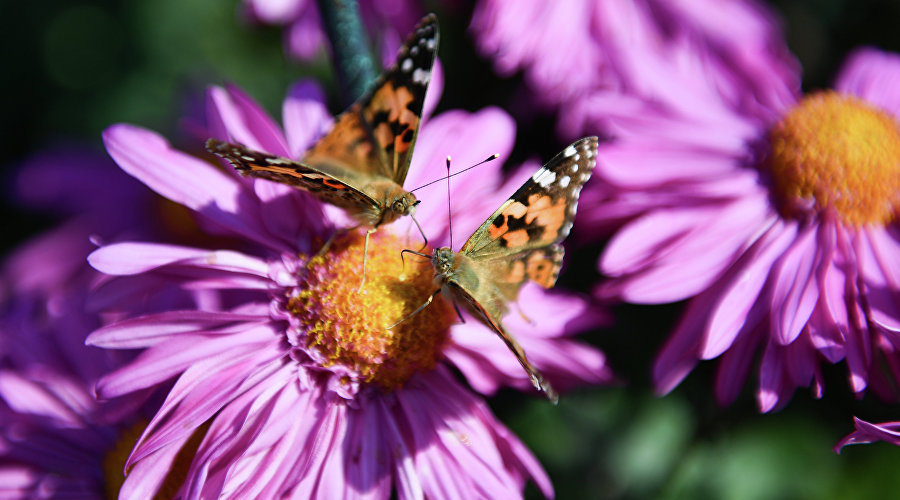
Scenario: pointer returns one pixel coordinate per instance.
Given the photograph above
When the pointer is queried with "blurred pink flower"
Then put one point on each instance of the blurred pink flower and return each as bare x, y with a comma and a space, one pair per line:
300, 379
889, 432
780, 226
387, 20
572, 52
56, 440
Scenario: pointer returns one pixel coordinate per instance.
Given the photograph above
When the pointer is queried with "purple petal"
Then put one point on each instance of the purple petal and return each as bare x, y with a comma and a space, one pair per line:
877, 251
233, 115
795, 291
150, 330
873, 75
135, 258
186, 180
866, 432
745, 280
164, 361
204, 388
305, 116
675, 253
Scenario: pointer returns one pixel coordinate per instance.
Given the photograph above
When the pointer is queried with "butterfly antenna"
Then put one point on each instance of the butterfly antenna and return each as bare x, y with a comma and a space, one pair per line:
449, 212
482, 162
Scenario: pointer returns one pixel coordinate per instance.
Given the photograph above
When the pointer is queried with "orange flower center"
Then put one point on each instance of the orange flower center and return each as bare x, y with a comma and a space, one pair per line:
348, 327
835, 151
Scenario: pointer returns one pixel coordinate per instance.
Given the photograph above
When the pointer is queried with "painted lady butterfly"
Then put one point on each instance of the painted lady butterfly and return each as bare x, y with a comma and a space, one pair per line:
520, 241
360, 165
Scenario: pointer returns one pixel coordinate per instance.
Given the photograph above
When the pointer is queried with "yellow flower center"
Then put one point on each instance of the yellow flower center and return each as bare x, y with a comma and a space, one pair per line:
348, 327
835, 151
114, 462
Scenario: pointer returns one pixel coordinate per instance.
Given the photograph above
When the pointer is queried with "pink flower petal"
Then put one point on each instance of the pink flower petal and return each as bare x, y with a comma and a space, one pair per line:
305, 116
135, 258
164, 361
150, 330
676, 253
235, 116
873, 75
184, 179
745, 280
795, 291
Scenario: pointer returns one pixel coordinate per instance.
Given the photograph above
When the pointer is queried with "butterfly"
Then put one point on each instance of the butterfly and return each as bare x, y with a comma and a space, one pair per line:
519, 242
360, 165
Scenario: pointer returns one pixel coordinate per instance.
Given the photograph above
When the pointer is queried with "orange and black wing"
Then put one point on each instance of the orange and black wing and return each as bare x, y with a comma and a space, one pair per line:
526, 230
376, 135
328, 188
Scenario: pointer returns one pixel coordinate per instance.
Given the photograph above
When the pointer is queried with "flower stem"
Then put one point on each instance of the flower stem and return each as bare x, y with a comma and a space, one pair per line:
349, 49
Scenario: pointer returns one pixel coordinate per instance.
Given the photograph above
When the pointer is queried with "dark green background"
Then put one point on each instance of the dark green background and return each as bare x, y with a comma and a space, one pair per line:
73, 67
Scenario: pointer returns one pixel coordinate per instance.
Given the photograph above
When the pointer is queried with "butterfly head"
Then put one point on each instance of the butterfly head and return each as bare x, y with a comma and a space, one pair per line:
443, 260
402, 204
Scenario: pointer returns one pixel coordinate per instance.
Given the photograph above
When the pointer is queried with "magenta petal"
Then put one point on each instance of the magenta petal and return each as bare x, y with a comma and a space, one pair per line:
877, 251
184, 179
149, 330
135, 258
866, 432
745, 281
873, 75
305, 116
234, 115
201, 391
165, 361
28, 397
409, 485
680, 353
770, 380
795, 291
145, 477
736, 362
674, 254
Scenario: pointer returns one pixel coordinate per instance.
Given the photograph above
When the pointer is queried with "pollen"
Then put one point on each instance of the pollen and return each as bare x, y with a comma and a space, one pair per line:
836, 152
347, 327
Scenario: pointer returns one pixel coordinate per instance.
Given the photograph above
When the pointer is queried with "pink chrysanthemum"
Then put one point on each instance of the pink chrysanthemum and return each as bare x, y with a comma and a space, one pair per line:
866, 432
780, 225
575, 51
304, 391
56, 440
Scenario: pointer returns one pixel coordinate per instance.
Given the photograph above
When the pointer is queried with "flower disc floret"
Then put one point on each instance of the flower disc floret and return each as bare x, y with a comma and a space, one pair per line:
835, 151
347, 327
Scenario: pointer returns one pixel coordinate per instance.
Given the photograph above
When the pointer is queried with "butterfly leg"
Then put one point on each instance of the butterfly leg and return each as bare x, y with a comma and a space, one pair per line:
523, 315
459, 313
331, 239
417, 311
365, 258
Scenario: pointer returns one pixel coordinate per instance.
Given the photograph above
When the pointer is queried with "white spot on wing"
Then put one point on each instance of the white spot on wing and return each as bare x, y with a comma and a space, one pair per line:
414, 50
564, 181
421, 76
569, 151
430, 44
574, 168
544, 177
278, 161
406, 65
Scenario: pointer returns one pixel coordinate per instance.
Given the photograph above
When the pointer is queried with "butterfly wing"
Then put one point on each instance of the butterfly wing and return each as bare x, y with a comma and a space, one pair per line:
521, 238
376, 135
468, 296
340, 192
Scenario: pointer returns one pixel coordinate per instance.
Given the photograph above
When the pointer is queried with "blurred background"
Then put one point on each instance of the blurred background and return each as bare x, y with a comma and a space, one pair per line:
73, 67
